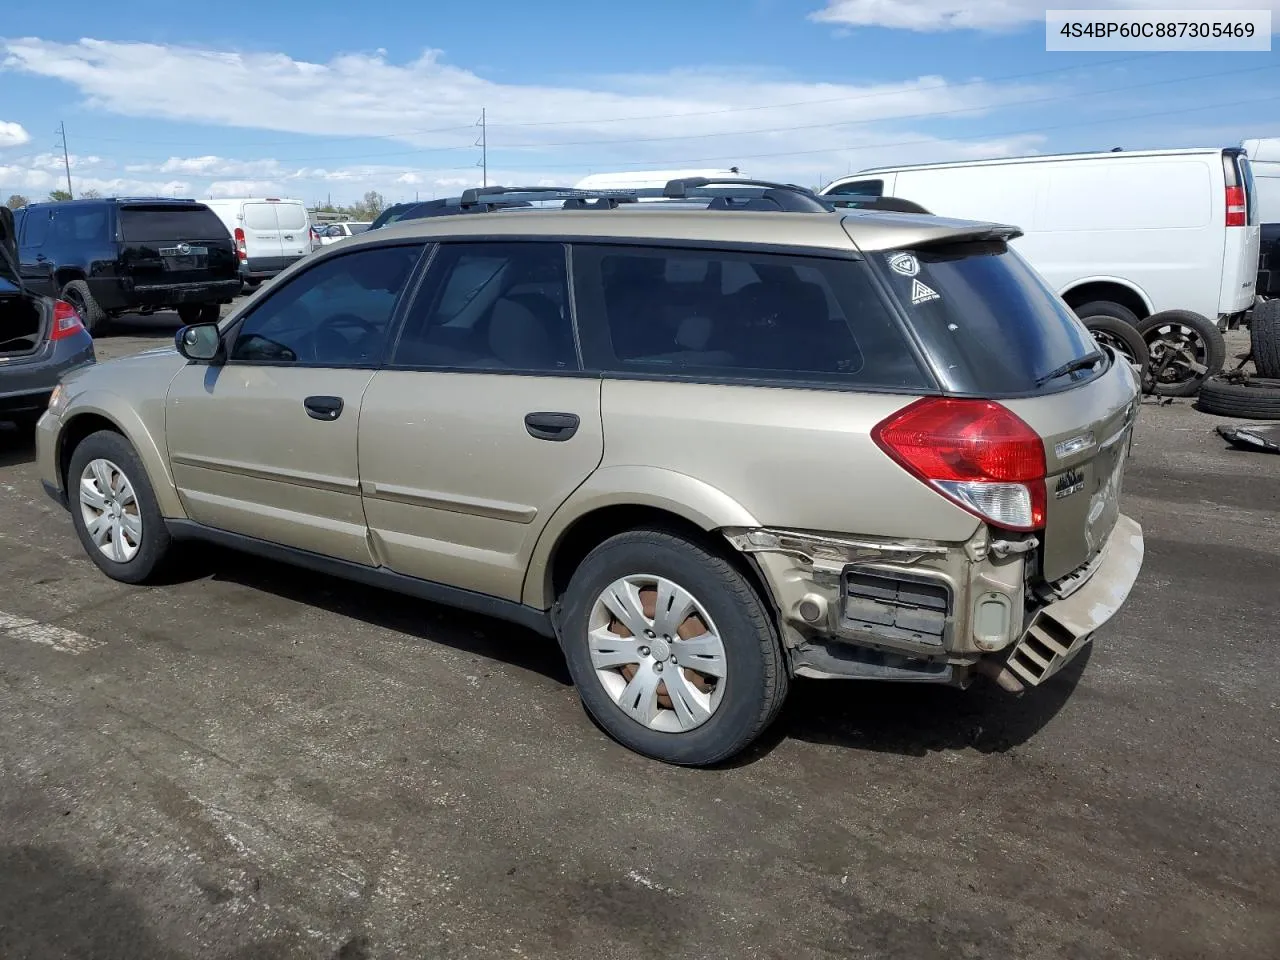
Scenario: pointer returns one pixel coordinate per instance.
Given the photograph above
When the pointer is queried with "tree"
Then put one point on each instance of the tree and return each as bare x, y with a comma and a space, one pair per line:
57, 195
369, 207
90, 194
16, 201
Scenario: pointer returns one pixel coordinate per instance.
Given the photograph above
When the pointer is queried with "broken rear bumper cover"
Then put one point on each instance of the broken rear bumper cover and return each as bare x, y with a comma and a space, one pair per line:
936, 612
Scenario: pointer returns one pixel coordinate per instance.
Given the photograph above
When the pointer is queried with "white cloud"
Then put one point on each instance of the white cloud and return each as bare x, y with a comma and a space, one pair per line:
13, 134
995, 15
424, 111
54, 161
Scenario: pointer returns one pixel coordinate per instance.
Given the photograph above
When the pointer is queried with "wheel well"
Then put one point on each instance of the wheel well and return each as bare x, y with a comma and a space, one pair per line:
73, 433
64, 276
594, 528
1112, 292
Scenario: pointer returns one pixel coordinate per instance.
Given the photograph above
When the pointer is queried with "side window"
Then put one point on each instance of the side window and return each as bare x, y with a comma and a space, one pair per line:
859, 188
37, 227
336, 314
492, 306
81, 223
738, 315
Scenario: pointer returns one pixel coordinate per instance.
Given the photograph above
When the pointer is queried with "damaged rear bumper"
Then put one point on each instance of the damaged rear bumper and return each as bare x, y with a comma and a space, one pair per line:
1059, 631
935, 612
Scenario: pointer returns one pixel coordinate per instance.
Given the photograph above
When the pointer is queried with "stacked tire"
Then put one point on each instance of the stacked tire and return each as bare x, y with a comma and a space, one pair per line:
1253, 398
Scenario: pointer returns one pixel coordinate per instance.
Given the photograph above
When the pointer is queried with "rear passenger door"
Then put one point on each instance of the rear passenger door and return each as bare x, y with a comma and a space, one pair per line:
483, 423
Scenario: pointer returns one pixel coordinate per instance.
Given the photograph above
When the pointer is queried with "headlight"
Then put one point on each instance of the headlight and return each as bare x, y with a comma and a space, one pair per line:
57, 401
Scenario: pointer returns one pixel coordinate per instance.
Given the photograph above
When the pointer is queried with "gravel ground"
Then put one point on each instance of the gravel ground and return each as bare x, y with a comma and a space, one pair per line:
260, 763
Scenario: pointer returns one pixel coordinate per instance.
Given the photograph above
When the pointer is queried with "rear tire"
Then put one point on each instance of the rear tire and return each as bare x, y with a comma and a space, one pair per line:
114, 509
210, 312
1185, 349
1249, 399
1121, 336
1264, 338
190, 313
1106, 308
721, 711
77, 294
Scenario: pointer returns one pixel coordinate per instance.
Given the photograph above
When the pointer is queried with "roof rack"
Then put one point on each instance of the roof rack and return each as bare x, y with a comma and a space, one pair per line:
728, 194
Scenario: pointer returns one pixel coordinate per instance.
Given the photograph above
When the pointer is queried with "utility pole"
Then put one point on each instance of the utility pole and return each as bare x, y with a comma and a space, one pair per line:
483, 144
66, 159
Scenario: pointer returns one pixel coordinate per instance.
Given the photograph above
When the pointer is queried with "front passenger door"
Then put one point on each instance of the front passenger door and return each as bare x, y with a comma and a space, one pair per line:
265, 444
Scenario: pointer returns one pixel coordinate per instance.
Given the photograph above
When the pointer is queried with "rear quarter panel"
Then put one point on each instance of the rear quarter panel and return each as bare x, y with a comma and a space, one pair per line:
796, 458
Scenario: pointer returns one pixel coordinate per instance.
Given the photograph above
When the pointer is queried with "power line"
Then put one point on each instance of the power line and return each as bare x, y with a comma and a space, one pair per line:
811, 103
532, 145
918, 116
660, 116
582, 164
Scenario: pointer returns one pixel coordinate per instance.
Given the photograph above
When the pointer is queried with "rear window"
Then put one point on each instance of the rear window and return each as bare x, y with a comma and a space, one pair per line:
260, 216
159, 222
993, 325
732, 315
291, 216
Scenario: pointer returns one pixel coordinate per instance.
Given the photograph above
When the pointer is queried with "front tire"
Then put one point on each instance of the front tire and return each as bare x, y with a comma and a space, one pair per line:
673, 652
114, 509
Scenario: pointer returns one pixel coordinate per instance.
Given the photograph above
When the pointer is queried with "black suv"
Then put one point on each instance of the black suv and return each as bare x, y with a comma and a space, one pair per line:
111, 256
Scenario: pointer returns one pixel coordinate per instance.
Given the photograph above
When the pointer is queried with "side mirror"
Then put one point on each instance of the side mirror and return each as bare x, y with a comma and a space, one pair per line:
200, 341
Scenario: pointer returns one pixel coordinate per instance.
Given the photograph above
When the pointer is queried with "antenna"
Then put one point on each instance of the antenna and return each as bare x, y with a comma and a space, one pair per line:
66, 159
483, 144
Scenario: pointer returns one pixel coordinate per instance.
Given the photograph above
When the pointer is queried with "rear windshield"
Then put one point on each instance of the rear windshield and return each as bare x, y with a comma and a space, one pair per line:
993, 325
159, 222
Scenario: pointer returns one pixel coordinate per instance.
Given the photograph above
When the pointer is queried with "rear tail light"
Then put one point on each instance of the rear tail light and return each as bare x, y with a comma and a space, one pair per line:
241, 250
66, 322
976, 453
1236, 213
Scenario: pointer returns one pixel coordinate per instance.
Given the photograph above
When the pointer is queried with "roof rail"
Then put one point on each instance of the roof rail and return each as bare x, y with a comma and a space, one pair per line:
728, 194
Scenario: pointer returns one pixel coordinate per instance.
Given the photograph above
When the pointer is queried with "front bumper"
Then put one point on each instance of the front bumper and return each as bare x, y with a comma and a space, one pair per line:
48, 428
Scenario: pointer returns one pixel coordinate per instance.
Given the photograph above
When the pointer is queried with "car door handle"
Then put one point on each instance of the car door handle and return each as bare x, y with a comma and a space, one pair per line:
551, 426
323, 408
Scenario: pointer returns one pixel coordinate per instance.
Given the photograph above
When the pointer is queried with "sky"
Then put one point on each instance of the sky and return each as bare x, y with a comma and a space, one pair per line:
327, 100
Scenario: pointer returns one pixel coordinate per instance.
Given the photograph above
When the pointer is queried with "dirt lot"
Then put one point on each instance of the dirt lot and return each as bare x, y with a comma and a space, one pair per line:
259, 763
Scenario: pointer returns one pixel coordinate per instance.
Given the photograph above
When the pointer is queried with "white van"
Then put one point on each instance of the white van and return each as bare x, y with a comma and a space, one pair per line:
1264, 157
270, 233
649, 179
1145, 231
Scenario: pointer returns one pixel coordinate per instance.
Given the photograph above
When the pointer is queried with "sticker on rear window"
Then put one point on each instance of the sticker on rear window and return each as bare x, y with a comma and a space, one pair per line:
922, 294
905, 264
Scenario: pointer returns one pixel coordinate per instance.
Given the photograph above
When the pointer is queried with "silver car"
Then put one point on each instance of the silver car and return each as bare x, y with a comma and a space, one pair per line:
708, 450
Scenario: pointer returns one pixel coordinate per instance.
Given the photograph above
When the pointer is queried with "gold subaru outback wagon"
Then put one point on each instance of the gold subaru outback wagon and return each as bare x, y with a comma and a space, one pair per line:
710, 443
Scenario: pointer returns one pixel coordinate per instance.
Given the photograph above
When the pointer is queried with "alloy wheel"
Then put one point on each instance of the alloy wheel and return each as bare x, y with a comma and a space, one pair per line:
1179, 354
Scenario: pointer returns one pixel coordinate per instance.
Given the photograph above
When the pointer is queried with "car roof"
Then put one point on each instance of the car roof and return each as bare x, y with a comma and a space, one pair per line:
870, 230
